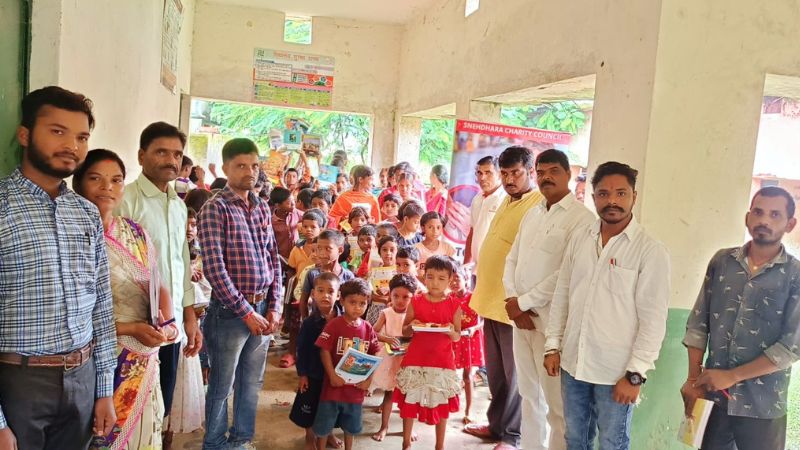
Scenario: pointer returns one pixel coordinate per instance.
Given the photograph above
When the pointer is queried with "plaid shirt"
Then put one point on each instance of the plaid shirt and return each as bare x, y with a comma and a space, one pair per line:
55, 291
240, 255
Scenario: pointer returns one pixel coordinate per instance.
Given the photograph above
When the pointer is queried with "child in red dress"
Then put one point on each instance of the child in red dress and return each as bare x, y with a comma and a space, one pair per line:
469, 349
427, 383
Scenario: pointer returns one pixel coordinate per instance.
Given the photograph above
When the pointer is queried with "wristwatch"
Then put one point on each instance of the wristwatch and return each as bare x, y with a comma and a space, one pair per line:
635, 378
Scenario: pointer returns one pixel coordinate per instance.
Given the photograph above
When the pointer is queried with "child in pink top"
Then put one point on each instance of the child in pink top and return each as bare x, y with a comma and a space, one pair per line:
389, 327
432, 224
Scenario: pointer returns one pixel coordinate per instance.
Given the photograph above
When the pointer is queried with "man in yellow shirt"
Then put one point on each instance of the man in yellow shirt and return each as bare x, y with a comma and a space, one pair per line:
488, 300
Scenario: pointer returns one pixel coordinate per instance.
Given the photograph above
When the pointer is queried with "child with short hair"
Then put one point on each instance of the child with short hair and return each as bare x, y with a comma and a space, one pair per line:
309, 364
387, 229
468, 351
366, 243
389, 207
312, 222
380, 276
356, 219
407, 261
427, 383
322, 199
330, 245
389, 327
432, 224
340, 403
311, 225
409, 216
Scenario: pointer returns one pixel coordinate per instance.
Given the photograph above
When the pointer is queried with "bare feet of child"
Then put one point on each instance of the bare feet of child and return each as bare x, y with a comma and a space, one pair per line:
334, 442
380, 435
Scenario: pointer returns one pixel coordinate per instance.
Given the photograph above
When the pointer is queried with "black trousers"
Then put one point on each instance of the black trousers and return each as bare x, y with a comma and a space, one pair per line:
505, 409
725, 432
48, 407
169, 356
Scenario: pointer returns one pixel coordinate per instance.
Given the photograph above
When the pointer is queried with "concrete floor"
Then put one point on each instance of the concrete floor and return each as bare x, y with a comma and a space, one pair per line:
274, 431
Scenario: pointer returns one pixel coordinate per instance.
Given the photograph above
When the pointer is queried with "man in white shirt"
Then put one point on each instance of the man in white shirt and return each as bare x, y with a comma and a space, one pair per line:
484, 206
152, 202
530, 275
608, 315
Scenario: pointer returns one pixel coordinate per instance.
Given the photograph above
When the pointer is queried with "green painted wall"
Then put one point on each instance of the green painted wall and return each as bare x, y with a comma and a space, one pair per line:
658, 416
13, 76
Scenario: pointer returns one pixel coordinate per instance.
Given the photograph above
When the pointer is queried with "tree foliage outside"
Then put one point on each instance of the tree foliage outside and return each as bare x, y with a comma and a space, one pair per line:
297, 30
436, 144
563, 116
348, 132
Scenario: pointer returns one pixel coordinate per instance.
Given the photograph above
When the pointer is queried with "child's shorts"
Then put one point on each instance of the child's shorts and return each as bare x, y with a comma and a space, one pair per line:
304, 409
330, 415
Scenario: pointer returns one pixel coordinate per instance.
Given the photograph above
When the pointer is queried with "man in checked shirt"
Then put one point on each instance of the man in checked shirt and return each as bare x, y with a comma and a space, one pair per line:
57, 336
240, 260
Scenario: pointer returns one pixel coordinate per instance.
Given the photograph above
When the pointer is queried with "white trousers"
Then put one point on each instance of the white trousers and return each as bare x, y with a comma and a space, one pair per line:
542, 406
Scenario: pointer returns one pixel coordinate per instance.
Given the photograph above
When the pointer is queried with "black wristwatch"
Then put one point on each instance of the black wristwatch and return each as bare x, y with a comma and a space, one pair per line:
635, 378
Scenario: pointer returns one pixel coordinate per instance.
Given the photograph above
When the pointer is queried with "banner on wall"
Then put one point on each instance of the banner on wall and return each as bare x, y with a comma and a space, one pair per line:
474, 141
292, 79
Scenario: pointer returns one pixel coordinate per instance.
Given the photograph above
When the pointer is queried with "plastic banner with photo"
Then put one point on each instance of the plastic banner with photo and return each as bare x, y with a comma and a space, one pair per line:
474, 141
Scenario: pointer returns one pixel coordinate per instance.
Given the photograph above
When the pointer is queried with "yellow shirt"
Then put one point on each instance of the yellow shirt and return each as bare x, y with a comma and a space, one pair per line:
298, 259
488, 300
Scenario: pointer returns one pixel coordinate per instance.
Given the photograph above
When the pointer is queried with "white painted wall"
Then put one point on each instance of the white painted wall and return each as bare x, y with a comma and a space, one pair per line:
712, 60
367, 61
508, 45
110, 51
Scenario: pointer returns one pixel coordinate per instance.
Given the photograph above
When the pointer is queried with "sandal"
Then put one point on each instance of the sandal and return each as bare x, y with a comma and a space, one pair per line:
286, 361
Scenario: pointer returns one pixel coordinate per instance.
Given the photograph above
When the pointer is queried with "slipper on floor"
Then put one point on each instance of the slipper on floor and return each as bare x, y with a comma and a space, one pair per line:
504, 446
480, 430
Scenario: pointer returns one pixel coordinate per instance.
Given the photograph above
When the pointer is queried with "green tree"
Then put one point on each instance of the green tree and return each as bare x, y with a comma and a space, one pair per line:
563, 116
436, 143
348, 132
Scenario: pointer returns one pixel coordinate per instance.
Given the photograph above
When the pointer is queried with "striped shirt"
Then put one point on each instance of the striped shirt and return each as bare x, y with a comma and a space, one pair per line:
55, 293
239, 251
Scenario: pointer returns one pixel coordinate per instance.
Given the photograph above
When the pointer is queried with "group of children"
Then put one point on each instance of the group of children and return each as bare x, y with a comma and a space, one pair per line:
369, 289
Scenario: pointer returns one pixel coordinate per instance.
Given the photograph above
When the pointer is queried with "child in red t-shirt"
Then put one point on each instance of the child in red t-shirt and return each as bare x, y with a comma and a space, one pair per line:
340, 403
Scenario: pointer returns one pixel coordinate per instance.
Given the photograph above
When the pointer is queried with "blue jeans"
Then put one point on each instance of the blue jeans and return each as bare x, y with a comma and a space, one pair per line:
234, 354
588, 408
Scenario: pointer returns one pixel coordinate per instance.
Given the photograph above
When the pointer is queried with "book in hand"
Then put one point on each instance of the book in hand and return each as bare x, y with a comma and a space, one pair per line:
356, 366
693, 428
379, 278
432, 328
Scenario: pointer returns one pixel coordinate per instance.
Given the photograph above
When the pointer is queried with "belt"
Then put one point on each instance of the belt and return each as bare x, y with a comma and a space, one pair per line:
68, 361
255, 299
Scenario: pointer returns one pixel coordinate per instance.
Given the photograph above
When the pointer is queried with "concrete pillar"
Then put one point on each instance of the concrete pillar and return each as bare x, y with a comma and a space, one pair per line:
700, 146
408, 133
382, 138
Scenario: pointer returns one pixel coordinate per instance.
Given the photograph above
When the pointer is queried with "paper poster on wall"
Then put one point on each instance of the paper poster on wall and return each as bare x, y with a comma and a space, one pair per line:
292, 79
473, 141
170, 40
